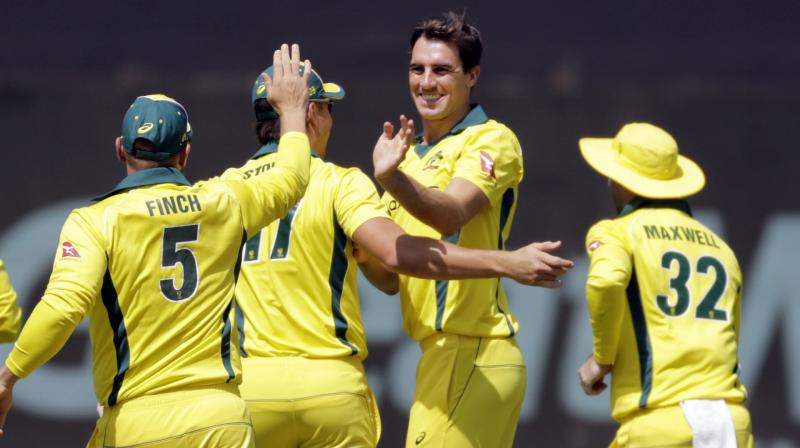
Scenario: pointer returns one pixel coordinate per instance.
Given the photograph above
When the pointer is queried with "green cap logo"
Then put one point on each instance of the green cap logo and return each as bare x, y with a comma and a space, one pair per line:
317, 90
160, 120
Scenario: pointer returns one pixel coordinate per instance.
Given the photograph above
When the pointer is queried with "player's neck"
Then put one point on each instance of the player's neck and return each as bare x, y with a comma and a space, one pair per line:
433, 130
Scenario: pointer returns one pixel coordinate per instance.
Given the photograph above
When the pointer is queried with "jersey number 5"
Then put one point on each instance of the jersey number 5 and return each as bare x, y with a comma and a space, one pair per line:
707, 307
171, 255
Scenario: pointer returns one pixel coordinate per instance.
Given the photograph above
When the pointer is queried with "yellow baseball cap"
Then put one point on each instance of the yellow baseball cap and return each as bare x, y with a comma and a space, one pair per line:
644, 159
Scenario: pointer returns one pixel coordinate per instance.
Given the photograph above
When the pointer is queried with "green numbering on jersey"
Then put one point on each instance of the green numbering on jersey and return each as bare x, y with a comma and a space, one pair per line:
171, 255
280, 249
707, 307
252, 248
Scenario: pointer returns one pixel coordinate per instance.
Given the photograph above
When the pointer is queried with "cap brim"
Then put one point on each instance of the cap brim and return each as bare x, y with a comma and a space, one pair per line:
600, 155
332, 91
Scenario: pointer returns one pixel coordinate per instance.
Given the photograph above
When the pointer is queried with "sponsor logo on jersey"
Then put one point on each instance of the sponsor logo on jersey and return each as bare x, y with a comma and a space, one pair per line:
68, 250
487, 163
432, 163
145, 128
594, 245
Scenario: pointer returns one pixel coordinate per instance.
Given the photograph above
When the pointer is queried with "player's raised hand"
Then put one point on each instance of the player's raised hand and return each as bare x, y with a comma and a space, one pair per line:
391, 147
287, 90
535, 265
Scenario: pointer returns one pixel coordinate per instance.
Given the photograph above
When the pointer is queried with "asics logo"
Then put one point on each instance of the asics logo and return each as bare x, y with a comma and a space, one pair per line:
145, 128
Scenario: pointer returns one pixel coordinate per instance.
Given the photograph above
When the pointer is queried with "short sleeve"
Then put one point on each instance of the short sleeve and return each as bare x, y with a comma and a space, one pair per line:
492, 160
357, 201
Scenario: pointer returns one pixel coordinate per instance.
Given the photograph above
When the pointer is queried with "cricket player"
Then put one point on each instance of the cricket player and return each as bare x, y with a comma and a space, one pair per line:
10, 313
664, 295
301, 335
458, 183
153, 264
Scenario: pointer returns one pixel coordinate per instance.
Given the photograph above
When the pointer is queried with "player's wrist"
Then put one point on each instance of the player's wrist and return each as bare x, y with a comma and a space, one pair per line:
389, 179
7, 378
293, 120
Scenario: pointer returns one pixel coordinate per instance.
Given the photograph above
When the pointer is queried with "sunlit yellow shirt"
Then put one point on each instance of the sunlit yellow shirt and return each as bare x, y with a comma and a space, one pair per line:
487, 154
153, 265
297, 291
10, 313
664, 295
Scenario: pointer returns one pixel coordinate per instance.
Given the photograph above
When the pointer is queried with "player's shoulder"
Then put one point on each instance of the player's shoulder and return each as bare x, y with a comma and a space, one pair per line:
492, 129
606, 231
334, 173
605, 226
495, 135
250, 168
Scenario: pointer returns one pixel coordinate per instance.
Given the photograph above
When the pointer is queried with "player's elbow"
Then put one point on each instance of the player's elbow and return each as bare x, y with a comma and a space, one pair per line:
448, 222
390, 287
389, 258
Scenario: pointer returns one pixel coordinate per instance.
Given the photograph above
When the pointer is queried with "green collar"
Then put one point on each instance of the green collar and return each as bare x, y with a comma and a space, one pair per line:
150, 176
271, 147
475, 116
640, 202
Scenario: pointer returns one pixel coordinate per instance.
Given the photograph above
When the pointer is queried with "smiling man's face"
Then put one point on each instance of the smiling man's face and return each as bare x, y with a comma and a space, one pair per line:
437, 81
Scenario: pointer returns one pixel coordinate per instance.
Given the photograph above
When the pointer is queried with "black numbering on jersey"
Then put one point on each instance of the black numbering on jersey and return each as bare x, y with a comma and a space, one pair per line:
171, 255
706, 309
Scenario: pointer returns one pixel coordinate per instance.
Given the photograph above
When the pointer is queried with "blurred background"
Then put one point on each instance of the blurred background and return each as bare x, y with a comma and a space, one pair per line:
722, 77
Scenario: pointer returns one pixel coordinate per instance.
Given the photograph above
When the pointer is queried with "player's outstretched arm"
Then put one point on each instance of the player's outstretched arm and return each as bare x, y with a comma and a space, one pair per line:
446, 211
269, 197
375, 272
428, 258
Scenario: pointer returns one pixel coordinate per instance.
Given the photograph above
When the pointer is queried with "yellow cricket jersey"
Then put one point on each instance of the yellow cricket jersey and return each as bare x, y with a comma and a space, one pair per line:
10, 313
153, 264
297, 292
486, 153
664, 295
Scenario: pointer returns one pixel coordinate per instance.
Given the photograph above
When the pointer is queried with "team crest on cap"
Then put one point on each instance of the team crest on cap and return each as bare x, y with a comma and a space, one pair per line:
487, 163
594, 245
68, 250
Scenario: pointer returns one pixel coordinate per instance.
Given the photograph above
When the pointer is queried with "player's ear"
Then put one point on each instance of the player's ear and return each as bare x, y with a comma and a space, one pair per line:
311, 112
473, 75
118, 149
183, 156
311, 117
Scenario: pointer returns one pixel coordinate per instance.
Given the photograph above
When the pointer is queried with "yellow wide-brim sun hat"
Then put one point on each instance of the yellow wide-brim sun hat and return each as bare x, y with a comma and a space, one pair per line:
644, 159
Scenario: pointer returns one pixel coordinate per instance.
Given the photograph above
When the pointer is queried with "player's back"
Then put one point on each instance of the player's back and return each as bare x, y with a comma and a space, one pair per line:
168, 289
297, 289
680, 334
